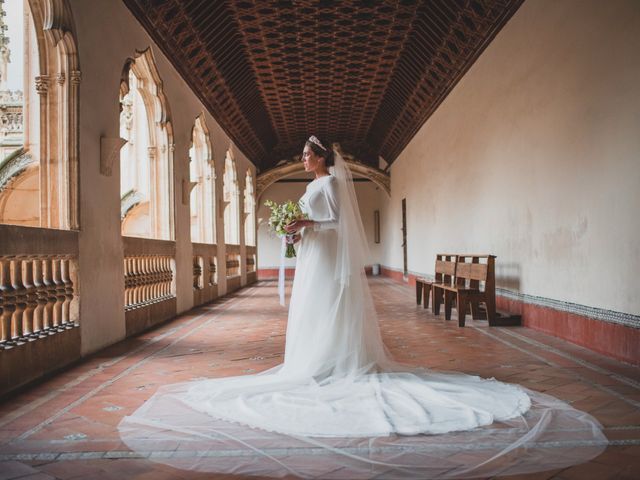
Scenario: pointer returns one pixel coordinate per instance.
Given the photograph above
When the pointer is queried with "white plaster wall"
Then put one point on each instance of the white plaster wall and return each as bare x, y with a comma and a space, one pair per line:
534, 157
370, 197
107, 35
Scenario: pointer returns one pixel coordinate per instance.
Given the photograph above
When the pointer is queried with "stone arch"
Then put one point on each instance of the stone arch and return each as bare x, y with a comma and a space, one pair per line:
19, 185
50, 115
202, 176
147, 158
231, 199
249, 210
377, 176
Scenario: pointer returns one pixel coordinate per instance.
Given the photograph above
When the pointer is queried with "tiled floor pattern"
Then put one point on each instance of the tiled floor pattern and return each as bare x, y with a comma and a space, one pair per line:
65, 428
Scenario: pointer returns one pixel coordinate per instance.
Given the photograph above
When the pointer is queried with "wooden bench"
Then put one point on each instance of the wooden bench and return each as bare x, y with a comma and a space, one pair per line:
473, 285
445, 270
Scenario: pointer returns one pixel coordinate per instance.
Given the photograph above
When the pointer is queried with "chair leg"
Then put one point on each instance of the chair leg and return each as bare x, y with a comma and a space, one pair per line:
447, 304
437, 299
462, 308
419, 286
426, 293
491, 311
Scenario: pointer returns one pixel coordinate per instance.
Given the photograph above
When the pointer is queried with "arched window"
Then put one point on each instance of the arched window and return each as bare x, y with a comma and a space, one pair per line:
202, 175
146, 173
38, 151
249, 211
231, 201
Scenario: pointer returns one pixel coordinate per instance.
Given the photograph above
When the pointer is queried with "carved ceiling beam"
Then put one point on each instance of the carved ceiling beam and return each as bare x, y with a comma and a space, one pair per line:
368, 74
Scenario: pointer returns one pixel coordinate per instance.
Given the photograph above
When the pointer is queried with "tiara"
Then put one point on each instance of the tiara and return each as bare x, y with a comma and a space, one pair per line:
313, 139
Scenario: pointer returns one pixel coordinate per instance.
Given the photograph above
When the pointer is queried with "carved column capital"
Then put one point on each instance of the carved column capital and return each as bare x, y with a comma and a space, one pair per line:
42, 84
60, 78
75, 76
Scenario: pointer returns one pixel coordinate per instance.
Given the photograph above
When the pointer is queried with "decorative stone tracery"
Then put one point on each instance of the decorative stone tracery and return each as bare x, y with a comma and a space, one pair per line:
147, 157
295, 167
231, 198
202, 176
249, 211
13, 166
53, 144
59, 108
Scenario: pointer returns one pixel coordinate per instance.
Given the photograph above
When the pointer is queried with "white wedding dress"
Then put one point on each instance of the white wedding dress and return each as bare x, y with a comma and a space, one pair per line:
338, 406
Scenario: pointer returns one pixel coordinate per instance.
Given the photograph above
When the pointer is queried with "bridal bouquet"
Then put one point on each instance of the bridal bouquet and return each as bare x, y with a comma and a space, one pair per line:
282, 215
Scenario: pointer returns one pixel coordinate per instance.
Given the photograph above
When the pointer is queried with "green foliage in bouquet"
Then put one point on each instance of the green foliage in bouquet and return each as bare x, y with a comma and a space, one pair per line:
282, 215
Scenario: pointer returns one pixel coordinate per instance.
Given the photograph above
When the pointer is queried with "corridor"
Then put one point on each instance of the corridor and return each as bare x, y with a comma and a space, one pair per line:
65, 427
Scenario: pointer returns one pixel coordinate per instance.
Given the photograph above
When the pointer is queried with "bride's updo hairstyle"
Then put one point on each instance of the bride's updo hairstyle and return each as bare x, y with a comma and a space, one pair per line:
321, 149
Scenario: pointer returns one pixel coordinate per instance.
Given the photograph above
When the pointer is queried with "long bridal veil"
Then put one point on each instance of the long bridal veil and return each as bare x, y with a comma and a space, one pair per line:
340, 408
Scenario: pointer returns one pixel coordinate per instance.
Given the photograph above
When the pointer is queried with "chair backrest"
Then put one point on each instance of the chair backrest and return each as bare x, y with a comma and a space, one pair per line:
476, 272
445, 268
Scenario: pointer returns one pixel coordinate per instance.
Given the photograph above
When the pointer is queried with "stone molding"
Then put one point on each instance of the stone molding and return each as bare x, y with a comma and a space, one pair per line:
609, 316
128, 201
42, 84
295, 166
59, 127
109, 153
187, 188
161, 146
13, 166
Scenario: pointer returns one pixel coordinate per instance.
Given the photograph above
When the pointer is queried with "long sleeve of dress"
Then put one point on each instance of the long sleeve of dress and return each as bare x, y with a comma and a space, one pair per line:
330, 190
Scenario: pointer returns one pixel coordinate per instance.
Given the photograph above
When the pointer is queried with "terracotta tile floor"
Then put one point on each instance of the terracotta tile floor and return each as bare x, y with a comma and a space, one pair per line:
65, 428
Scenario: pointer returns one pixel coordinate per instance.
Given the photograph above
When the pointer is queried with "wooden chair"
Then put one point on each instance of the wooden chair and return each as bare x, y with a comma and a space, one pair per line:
443, 273
474, 284
445, 276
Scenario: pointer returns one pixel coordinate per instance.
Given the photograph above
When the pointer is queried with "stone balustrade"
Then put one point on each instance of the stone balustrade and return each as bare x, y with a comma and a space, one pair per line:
149, 283
39, 303
40, 300
36, 294
147, 279
252, 263
232, 260
198, 281
205, 273
251, 259
233, 265
213, 270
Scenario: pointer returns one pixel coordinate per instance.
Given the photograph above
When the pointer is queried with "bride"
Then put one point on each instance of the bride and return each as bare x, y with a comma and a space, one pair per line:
339, 406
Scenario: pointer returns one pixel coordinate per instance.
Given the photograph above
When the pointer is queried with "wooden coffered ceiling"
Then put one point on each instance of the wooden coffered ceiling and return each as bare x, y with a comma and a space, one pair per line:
366, 74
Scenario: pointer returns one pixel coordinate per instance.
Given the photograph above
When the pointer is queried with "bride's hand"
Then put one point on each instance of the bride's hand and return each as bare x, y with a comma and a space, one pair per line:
293, 227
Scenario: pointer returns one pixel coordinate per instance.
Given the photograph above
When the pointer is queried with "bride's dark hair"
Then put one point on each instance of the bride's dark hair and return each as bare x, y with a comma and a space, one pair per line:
323, 150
